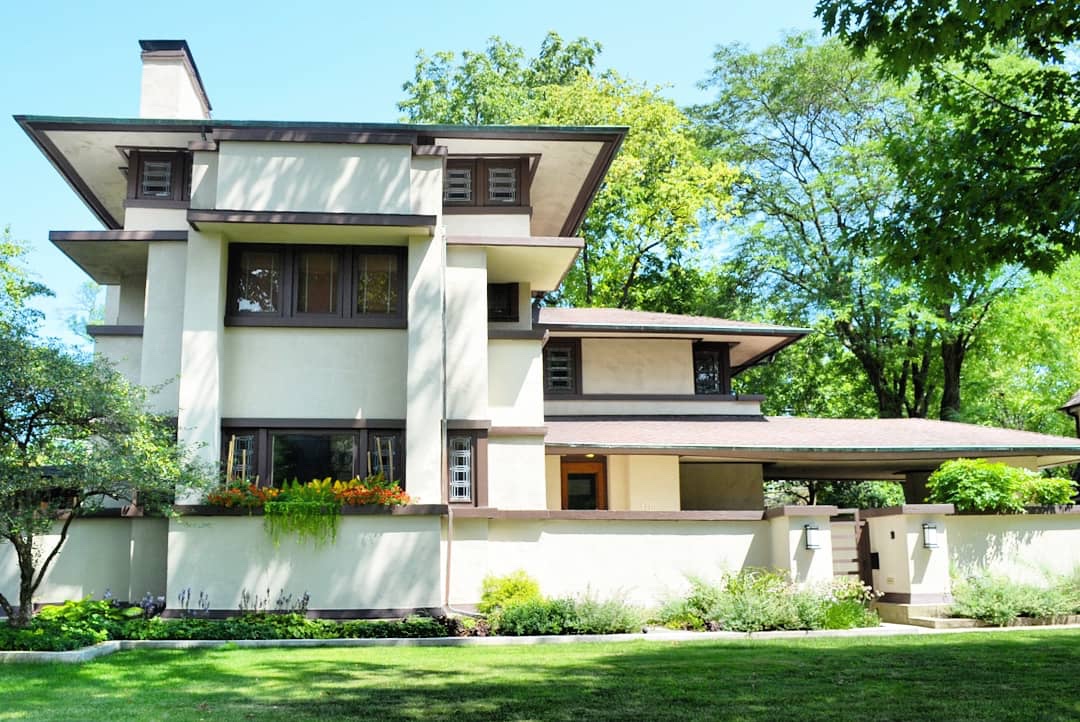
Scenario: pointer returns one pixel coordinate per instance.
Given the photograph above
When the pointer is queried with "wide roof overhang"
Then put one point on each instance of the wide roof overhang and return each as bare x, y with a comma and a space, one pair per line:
540, 261
91, 154
806, 448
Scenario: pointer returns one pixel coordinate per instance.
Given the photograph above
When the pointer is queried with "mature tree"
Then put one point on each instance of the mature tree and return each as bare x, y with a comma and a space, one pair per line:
808, 124
88, 309
661, 189
1000, 178
73, 433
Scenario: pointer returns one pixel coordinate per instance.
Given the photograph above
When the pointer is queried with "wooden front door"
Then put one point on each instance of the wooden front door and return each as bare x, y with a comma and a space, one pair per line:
584, 485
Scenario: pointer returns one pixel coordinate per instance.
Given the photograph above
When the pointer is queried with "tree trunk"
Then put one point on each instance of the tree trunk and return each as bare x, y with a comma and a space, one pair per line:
24, 552
952, 358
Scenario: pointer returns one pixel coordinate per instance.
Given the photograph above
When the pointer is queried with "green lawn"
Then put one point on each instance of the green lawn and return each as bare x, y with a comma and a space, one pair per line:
1013, 676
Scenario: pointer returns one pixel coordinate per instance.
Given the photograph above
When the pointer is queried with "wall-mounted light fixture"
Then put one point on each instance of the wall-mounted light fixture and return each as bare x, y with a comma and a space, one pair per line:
813, 536
929, 535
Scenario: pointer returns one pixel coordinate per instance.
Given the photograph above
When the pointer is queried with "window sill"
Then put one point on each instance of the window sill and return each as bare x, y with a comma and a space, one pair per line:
155, 203
486, 210
295, 322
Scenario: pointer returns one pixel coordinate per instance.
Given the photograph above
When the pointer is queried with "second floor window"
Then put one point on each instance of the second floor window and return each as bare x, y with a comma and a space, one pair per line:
316, 286
159, 176
485, 182
562, 368
712, 370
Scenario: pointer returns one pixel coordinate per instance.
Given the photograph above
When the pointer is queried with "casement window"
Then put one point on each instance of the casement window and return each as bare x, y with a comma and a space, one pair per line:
584, 484
466, 460
712, 368
299, 285
502, 301
272, 457
486, 182
159, 177
562, 367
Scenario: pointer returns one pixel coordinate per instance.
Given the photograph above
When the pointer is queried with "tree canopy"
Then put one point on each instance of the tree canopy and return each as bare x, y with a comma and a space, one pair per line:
659, 194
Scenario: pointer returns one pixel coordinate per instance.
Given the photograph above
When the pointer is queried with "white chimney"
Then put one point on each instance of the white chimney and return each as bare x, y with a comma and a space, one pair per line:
171, 86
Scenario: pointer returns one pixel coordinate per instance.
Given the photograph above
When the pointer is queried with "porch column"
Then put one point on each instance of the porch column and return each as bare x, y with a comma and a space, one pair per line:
788, 533
912, 560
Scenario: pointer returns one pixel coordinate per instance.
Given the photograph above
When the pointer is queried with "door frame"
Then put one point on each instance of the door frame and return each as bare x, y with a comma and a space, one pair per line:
579, 465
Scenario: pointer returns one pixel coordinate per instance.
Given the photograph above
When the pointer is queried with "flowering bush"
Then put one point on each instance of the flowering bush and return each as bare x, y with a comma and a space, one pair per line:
247, 496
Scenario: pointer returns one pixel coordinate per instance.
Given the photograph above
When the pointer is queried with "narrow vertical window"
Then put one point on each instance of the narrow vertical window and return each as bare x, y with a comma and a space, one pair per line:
384, 455
561, 368
461, 469
458, 183
317, 282
502, 184
376, 284
711, 369
155, 180
258, 282
240, 458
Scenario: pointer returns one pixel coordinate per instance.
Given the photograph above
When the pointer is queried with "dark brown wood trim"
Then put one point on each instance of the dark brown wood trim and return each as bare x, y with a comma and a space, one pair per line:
764, 356
67, 171
482, 471
909, 509
468, 424
591, 186
304, 321
778, 511
402, 220
430, 150
648, 397
330, 614
604, 515
310, 135
517, 334
203, 145
907, 598
585, 330
347, 510
598, 466
96, 330
504, 431
487, 210
118, 235
517, 241
293, 423
155, 203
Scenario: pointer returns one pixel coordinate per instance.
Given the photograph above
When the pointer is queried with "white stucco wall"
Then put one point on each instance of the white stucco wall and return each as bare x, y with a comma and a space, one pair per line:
466, 334
789, 552
643, 561
314, 177
426, 184
155, 219
204, 168
515, 382
513, 225
377, 562
123, 352
163, 324
131, 301
324, 373
636, 366
516, 473
721, 486
124, 556
1025, 547
168, 90
905, 566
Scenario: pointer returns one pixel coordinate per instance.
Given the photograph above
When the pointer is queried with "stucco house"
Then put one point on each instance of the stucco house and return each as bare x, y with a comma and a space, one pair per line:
335, 298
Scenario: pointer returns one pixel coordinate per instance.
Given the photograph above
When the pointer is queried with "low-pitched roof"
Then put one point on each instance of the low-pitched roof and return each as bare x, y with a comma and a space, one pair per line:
750, 342
793, 447
1073, 403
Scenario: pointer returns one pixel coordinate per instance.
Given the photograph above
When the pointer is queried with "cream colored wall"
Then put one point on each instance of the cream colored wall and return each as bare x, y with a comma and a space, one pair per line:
314, 177
721, 486
377, 562
132, 301
426, 184
163, 324
199, 395
513, 225
112, 304
643, 483
553, 481
155, 219
204, 170
168, 90
124, 556
1028, 547
325, 373
124, 353
636, 366
515, 382
617, 469
905, 566
424, 442
789, 552
643, 561
466, 334
517, 473
660, 407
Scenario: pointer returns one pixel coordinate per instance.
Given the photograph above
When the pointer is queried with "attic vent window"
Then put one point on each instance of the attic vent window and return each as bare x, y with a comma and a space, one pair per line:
502, 185
486, 182
459, 185
159, 179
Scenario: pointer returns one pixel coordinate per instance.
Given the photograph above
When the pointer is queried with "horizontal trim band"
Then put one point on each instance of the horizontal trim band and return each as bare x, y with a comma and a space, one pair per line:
908, 509
907, 598
518, 241
517, 334
206, 145
779, 511
468, 424
118, 235
96, 330
605, 515
155, 203
430, 150
284, 423
504, 431
487, 210
654, 397
347, 510
402, 220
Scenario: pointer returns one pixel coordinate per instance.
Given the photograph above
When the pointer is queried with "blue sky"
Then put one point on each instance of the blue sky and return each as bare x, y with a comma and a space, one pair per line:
341, 61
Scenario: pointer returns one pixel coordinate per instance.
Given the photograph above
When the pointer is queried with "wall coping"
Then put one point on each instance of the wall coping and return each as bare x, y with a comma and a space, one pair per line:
908, 509
801, 510
1071, 509
606, 515
347, 510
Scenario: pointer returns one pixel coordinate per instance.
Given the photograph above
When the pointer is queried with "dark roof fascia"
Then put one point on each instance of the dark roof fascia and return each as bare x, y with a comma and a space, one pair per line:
880, 452
588, 328
736, 370
195, 216
67, 171
593, 183
116, 235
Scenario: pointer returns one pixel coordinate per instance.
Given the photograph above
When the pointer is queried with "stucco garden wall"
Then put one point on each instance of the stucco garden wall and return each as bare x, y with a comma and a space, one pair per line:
1025, 547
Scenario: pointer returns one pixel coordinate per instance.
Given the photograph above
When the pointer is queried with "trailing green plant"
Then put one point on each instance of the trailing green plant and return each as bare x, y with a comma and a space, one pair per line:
310, 511
498, 592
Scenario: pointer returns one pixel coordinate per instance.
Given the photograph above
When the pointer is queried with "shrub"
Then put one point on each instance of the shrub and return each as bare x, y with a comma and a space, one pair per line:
999, 600
498, 592
977, 485
534, 616
608, 616
1038, 490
